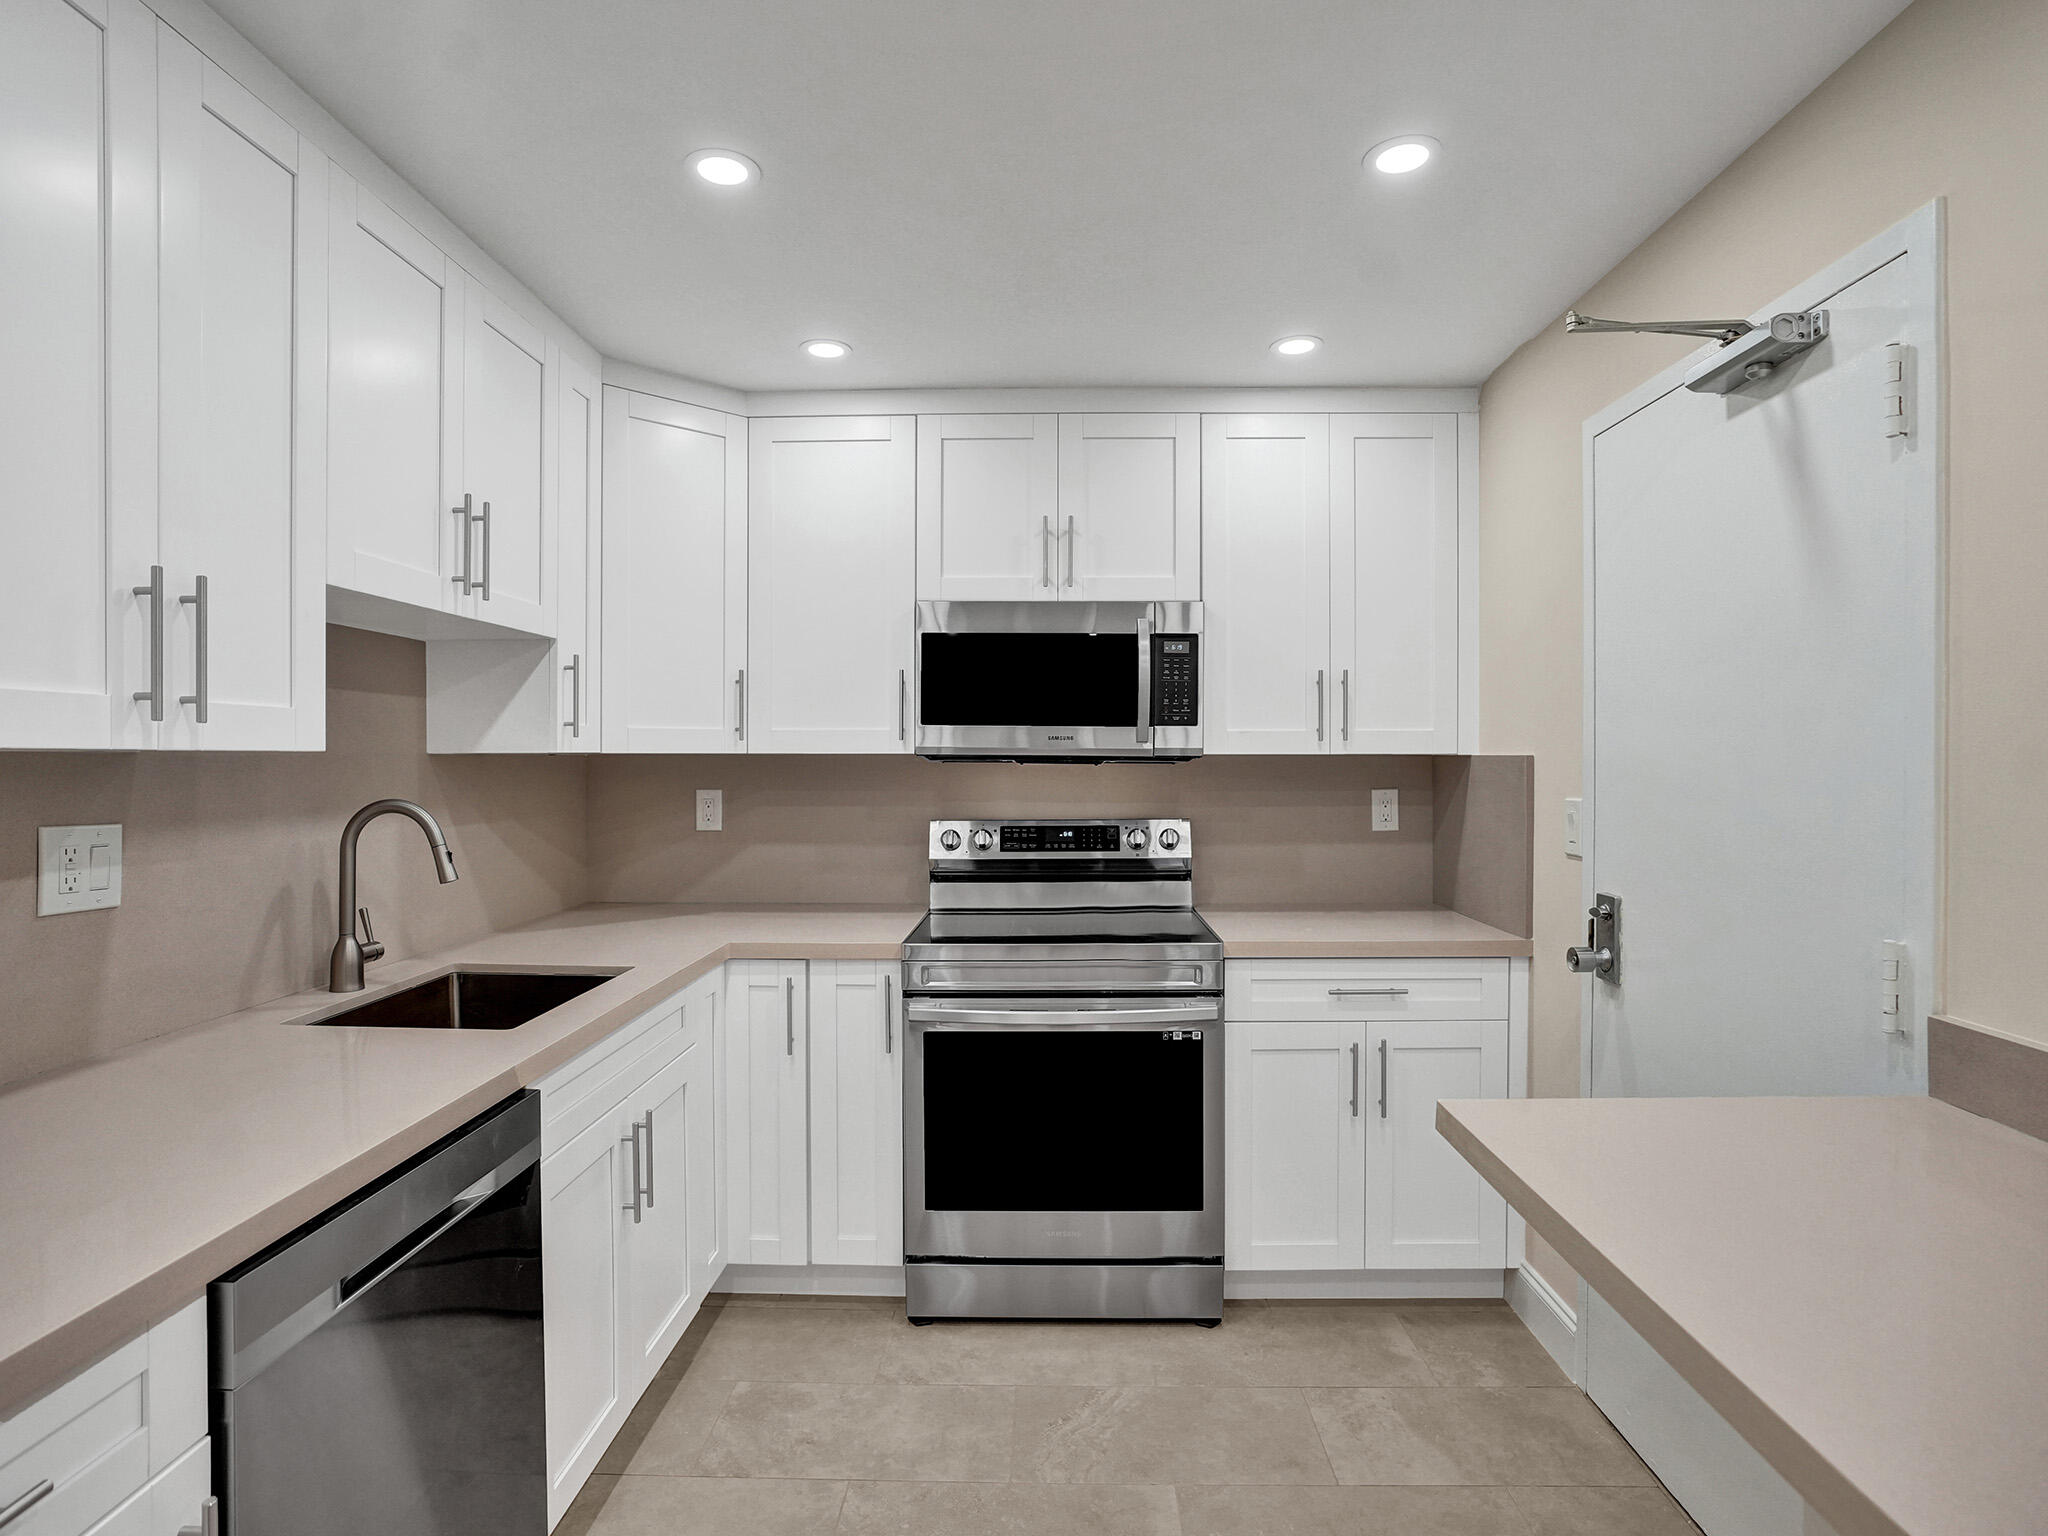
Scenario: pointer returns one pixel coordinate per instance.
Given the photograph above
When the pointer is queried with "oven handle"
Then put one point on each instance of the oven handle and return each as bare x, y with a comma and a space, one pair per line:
1207, 1011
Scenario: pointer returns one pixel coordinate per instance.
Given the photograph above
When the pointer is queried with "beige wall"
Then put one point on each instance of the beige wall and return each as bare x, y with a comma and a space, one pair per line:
229, 863
1949, 101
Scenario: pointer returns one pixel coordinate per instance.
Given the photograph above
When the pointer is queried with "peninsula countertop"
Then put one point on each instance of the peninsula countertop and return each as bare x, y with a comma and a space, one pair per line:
1855, 1284
134, 1180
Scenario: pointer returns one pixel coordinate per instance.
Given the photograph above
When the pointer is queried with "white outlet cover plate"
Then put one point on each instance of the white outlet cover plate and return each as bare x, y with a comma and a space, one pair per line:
89, 856
1386, 810
710, 810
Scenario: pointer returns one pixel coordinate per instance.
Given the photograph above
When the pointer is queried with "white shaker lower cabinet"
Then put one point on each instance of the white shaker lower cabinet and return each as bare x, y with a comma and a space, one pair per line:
767, 1045
856, 1113
673, 1120
1294, 1145
583, 1193
1333, 1072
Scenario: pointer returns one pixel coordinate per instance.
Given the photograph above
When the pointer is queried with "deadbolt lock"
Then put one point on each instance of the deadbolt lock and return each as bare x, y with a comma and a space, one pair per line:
1600, 955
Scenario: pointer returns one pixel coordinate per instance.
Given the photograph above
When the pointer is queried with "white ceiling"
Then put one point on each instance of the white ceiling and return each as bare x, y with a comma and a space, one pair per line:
1060, 191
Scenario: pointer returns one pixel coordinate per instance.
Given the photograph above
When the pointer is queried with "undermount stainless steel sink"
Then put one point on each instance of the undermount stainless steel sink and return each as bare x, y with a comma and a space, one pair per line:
459, 999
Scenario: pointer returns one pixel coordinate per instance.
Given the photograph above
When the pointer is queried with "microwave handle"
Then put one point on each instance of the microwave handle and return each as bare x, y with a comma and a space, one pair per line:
1145, 679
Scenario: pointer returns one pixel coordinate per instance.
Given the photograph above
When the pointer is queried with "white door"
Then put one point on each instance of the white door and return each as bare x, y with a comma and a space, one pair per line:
394, 356
658, 1293
584, 1189
987, 499
1266, 543
767, 1063
856, 1113
1425, 1206
578, 502
1763, 655
1294, 1145
675, 576
78, 388
1394, 583
243, 359
505, 413
832, 543
1130, 508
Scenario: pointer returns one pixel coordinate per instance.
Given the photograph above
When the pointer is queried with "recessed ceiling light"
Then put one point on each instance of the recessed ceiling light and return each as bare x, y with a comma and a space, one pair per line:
826, 351
724, 167
1297, 346
1397, 157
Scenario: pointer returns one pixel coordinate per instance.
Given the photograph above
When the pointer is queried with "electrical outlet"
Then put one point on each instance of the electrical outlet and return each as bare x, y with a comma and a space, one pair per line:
710, 810
1386, 810
78, 869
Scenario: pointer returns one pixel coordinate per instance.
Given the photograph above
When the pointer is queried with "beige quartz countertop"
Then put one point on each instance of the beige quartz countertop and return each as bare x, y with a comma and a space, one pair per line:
133, 1181
1855, 1284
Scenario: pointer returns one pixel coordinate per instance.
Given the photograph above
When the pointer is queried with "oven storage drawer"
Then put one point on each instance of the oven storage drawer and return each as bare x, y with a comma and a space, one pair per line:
1307, 990
1072, 976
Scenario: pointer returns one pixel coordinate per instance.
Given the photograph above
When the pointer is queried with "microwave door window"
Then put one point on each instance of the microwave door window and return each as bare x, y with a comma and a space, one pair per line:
1033, 679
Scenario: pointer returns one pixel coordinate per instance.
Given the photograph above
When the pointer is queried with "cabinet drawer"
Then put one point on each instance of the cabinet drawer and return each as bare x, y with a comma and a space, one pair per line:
581, 1092
1308, 990
87, 1443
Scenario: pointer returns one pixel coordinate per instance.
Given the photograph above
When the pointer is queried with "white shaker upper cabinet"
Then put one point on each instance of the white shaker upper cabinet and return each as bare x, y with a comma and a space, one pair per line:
1266, 535
579, 464
78, 390
506, 411
831, 542
394, 407
675, 576
1394, 586
988, 505
243, 358
1130, 509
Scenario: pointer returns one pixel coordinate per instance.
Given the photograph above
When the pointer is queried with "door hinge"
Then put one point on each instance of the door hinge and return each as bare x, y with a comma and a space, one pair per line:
1891, 983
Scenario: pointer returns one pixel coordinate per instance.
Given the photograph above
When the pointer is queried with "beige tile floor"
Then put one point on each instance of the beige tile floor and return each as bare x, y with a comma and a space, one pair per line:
792, 1416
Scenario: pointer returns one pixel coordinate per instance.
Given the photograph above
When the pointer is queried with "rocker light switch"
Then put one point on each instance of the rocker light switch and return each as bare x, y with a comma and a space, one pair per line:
78, 869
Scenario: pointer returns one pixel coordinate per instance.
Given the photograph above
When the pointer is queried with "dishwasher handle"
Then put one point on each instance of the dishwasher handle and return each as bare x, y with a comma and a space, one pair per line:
349, 1287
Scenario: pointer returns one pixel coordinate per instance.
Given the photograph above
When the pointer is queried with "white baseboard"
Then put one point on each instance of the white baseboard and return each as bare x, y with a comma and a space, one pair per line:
1555, 1324
1362, 1285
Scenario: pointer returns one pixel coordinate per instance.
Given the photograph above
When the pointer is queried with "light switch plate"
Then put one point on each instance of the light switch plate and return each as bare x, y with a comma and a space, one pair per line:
78, 869
1386, 810
710, 810
1571, 827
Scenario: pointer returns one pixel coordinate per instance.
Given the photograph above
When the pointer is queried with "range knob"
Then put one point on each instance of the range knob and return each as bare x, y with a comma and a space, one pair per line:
984, 840
1136, 838
949, 839
1169, 838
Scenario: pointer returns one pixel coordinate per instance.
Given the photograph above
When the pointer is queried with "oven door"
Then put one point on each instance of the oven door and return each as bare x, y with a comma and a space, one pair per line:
1059, 1128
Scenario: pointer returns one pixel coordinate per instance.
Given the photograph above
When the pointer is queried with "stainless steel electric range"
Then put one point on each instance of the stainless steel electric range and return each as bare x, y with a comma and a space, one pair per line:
1063, 1077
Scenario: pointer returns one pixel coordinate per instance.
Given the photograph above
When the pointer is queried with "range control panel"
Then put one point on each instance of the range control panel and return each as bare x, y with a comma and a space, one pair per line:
1176, 674
1137, 839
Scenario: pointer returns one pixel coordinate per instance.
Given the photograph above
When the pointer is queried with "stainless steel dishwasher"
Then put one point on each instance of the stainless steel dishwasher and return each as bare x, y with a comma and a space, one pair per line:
380, 1368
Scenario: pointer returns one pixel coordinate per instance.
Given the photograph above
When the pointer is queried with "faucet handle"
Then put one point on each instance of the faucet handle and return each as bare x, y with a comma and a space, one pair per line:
372, 950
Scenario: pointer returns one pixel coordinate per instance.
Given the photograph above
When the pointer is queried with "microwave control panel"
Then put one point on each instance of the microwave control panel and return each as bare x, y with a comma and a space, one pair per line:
1176, 674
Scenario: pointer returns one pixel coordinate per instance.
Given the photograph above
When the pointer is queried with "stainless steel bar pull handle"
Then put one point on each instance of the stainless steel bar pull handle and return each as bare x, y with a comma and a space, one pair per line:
1071, 556
209, 1520
1045, 552
1321, 712
888, 1015
789, 1015
197, 697
1344, 694
1368, 991
466, 581
739, 685
155, 693
633, 1140
1354, 1079
575, 720
1383, 1079
650, 1159
486, 521
902, 705
26, 1502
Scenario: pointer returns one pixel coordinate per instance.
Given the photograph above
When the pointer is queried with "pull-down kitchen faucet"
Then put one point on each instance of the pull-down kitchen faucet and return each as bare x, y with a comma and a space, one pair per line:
345, 965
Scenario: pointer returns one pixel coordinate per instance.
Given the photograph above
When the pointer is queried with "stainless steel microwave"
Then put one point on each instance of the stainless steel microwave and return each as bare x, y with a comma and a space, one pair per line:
1060, 682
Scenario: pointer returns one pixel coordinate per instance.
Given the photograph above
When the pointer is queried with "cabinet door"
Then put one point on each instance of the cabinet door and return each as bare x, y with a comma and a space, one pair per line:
579, 483
585, 1191
659, 1291
987, 498
1266, 542
1130, 510
505, 464
832, 537
1394, 593
767, 1055
1426, 1208
1294, 1145
704, 1017
856, 1113
243, 358
394, 360
78, 389
675, 573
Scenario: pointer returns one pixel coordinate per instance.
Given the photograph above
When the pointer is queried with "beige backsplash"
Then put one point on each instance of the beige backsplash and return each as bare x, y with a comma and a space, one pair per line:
228, 887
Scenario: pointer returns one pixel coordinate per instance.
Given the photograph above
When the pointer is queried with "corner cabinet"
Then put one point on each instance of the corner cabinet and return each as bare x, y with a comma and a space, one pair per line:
1333, 1073
1336, 592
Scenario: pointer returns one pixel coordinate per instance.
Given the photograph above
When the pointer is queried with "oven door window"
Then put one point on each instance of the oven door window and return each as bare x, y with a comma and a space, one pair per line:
1063, 1120
1041, 679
